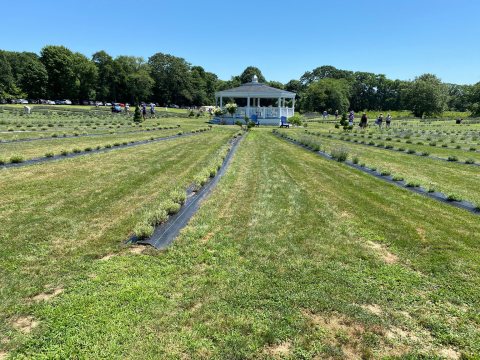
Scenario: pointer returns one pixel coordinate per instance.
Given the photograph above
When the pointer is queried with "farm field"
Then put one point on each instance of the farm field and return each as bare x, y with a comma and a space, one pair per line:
292, 256
443, 176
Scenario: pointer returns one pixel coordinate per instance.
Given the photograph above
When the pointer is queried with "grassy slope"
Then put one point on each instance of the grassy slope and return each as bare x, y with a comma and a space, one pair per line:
58, 217
293, 255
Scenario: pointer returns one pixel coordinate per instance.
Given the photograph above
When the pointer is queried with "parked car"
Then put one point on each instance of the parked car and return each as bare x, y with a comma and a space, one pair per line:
67, 102
98, 103
50, 102
108, 104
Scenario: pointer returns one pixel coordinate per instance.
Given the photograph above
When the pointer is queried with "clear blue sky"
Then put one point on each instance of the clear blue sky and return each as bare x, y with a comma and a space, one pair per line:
399, 38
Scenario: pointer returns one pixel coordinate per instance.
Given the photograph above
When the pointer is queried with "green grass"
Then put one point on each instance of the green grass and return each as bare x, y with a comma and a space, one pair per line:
284, 260
59, 217
35, 149
448, 177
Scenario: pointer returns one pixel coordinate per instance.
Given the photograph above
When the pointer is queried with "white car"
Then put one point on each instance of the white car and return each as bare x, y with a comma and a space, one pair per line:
67, 102
50, 102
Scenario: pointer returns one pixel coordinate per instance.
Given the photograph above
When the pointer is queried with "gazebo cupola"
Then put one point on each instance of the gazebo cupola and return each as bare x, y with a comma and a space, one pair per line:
254, 92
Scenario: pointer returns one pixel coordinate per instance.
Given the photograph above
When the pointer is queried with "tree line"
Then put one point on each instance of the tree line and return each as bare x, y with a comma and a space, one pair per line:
59, 73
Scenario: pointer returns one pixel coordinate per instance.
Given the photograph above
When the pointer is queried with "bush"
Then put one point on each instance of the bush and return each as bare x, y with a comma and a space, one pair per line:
64, 152
453, 197
473, 149
88, 148
355, 160
339, 154
157, 217
143, 230
385, 173
469, 161
16, 159
2, 162
425, 153
170, 207
49, 154
411, 151
76, 150
452, 158
397, 178
179, 196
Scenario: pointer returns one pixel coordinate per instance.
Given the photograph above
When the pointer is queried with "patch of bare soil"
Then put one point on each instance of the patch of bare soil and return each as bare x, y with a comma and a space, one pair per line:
207, 237
373, 308
280, 350
47, 295
107, 257
382, 251
449, 353
3, 355
25, 324
421, 233
339, 327
136, 249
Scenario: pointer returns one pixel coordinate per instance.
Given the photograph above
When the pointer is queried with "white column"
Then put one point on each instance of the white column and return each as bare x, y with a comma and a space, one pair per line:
279, 107
216, 101
248, 107
221, 102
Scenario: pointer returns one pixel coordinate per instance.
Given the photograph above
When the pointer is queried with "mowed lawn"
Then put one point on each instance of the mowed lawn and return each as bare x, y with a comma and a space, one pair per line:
293, 256
58, 218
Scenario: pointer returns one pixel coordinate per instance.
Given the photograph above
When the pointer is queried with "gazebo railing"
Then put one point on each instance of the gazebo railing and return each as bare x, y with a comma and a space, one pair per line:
264, 112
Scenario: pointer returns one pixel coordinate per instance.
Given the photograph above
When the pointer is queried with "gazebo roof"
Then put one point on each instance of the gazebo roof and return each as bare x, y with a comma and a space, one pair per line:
255, 89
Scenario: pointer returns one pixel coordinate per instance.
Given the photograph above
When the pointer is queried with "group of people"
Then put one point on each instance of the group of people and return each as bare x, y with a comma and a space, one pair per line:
144, 111
325, 115
364, 120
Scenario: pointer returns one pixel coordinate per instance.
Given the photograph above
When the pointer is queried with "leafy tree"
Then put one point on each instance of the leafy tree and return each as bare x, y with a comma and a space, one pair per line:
325, 72
29, 73
133, 79
8, 89
326, 94
172, 79
426, 95
59, 63
474, 98
107, 81
276, 84
247, 75
458, 97
86, 75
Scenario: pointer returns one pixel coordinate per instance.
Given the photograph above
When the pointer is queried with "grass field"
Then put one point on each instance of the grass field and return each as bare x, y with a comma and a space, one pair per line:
292, 256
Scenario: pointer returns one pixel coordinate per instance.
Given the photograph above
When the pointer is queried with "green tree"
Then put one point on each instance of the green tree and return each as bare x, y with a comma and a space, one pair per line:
58, 61
426, 95
29, 73
172, 79
326, 94
86, 75
247, 75
474, 99
134, 80
8, 89
107, 81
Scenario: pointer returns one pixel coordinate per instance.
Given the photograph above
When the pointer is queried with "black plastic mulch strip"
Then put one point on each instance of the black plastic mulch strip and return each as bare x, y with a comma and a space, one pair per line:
166, 233
465, 205
82, 135
93, 151
404, 152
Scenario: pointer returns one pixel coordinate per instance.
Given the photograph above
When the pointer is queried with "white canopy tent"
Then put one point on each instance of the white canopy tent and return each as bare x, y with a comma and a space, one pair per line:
254, 92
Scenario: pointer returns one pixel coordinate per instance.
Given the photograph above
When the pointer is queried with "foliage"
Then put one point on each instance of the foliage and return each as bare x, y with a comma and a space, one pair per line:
426, 95
326, 94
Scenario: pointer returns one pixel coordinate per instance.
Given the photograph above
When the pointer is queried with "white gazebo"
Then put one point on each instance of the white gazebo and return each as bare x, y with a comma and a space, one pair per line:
254, 92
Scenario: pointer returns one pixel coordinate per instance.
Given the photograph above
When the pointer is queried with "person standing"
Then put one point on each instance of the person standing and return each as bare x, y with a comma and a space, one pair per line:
336, 114
388, 120
152, 110
325, 115
127, 108
364, 121
144, 111
380, 120
351, 118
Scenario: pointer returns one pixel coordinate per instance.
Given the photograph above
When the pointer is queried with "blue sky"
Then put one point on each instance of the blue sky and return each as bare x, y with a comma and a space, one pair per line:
401, 38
